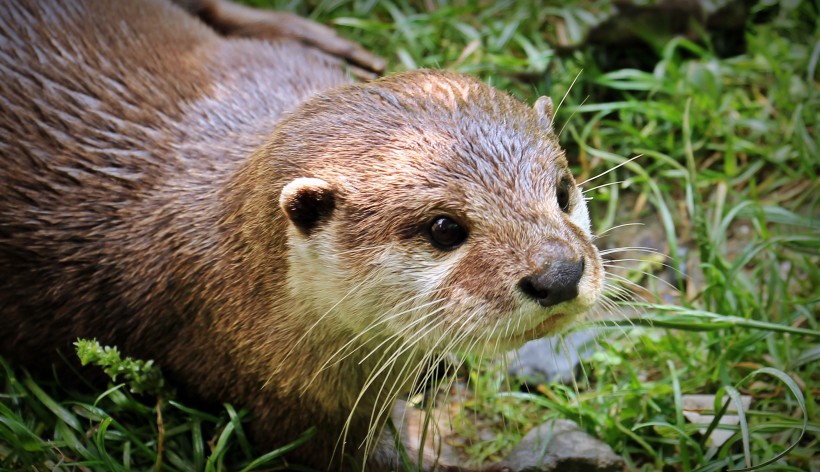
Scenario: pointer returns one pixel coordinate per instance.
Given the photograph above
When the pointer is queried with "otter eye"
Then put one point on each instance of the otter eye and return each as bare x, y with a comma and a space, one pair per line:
446, 234
562, 194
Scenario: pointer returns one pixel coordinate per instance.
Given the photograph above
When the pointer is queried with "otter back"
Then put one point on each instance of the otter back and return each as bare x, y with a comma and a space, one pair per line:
100, 117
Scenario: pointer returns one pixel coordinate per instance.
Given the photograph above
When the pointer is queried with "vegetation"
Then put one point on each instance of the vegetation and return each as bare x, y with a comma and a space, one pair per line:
727, 186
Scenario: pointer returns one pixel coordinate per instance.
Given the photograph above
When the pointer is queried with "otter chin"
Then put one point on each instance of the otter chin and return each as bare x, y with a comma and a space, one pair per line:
271, 234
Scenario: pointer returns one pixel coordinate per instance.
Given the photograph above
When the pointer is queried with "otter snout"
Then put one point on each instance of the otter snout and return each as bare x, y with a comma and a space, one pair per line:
556, 280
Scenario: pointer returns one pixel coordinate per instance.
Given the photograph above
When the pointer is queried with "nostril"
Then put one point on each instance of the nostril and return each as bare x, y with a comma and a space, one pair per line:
528, 286
556, 282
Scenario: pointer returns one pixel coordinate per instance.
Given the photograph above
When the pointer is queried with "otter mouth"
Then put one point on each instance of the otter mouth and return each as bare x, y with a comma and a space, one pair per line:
544, 328
548, 326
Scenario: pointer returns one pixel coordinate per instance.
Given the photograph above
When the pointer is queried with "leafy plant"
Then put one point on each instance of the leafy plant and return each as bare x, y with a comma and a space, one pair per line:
140, 376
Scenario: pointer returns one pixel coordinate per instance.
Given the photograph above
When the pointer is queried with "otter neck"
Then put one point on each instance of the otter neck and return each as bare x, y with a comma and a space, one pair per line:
346, 377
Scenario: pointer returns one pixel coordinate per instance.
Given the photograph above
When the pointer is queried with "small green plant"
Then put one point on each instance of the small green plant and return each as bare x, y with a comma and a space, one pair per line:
141, 377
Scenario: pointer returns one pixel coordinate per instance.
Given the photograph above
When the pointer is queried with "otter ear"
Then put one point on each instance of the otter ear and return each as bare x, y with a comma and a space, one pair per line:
306, 202
543, 106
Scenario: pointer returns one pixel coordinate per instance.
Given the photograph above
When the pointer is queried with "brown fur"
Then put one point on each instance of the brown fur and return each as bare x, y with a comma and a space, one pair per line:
237, 20
143, 163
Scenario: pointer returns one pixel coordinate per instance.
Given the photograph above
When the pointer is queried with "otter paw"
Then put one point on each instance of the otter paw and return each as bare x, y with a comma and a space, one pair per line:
232, 19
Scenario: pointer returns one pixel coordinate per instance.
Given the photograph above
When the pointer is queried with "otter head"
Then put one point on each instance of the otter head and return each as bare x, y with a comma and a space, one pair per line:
433, 209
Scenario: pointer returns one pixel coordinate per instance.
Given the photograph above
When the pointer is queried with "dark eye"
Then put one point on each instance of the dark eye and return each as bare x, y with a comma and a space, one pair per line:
562, 194
446, 234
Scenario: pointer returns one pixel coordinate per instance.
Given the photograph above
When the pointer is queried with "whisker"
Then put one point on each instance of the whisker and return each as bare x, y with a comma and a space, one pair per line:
429, 361
568, 120
407, 343
611, 264
649, 250
305, 334
565, 349
386, 401
406, 328
372, 327
647, 274
615, 284
566, 94
374, 374
599, 235
601, 186
387, 361
610, 170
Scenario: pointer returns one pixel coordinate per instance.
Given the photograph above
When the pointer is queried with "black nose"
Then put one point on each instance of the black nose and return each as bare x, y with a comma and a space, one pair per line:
556, 282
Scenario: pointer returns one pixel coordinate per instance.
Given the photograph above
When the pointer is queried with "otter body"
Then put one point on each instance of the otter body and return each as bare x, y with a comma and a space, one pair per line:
270, 234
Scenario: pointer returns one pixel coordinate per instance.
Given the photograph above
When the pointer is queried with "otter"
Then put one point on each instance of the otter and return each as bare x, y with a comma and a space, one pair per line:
270, 232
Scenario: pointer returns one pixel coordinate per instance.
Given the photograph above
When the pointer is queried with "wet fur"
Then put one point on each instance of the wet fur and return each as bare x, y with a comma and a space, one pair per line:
143, 165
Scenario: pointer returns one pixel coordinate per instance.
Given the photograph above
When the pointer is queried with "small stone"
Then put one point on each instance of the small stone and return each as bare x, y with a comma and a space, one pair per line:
561, 446
545, 360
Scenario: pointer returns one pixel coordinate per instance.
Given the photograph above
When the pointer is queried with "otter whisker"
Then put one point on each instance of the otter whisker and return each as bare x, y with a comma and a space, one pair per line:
436, 356
313, 326
574, 112
612, 311
602, 233
609, 170
386, 362
609, 303
611, 263
618, 292
566, 94
461, 334
645, 273
565, 349
649, 250
629, 283
367, 330
481, 356
449, 379
407, 344
425, 361
381, 408
620, 296
406, 328
584, 192
615, 311
372, 327
395, 354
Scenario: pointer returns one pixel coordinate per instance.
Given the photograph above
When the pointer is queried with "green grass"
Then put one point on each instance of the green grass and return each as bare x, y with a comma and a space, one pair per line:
728, 177
44, 426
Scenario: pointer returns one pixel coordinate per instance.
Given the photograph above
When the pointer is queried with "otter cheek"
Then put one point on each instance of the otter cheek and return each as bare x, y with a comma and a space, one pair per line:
480, 285
580, 216
307, 202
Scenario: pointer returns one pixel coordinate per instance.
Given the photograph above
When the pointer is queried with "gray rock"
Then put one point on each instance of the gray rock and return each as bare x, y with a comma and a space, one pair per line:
545, 360
561, 446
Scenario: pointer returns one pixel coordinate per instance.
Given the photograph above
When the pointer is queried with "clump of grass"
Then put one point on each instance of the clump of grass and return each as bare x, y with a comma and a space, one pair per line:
47, 426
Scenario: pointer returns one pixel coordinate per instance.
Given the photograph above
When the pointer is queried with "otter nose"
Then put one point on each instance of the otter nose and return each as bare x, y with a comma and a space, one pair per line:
556, 282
